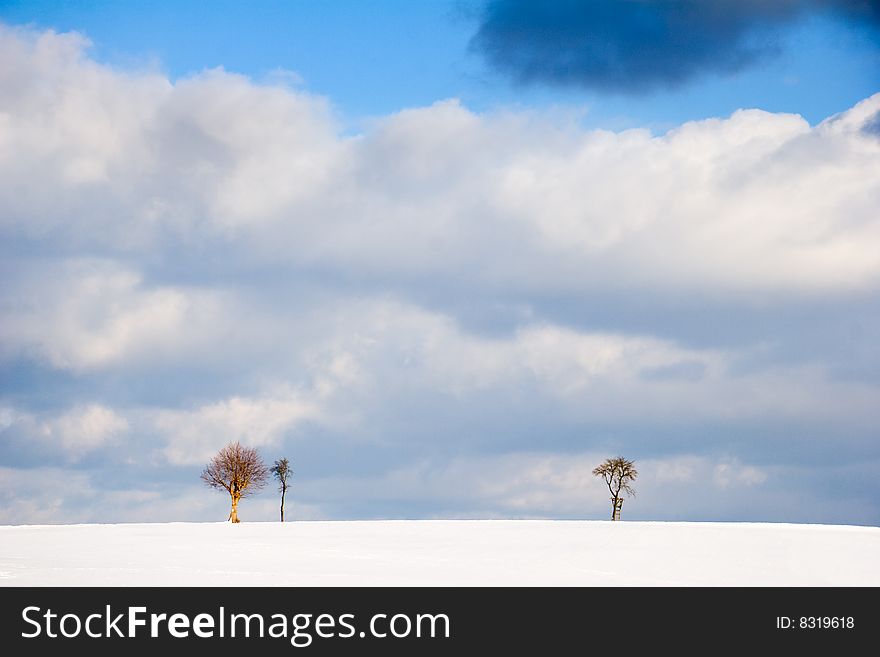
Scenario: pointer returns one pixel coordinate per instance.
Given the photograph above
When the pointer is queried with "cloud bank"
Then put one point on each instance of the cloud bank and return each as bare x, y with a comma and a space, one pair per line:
449, 314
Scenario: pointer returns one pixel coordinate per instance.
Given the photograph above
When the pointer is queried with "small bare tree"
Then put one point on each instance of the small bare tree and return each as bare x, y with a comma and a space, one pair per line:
617, 473
282, 472
239, 471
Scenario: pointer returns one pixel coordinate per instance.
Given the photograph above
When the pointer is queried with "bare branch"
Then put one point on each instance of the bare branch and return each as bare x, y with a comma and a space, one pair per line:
618, 474
282, 472
238, 470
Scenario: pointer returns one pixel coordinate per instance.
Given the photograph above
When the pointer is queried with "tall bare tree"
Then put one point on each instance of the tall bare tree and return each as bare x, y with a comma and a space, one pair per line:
618, 473
282, 472
239, 471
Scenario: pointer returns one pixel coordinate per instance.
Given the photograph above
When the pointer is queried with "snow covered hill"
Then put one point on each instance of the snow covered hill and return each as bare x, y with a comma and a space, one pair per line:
440, 553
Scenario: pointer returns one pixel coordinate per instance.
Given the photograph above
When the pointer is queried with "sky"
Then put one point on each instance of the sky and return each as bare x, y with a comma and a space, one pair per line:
445, 257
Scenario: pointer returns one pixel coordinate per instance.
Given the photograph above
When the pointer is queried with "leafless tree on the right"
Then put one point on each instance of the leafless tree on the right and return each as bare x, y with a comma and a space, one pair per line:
617, 473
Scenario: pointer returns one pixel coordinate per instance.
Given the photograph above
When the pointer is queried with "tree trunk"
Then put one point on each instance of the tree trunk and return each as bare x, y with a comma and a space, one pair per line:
233, 515
614, 508
283, 490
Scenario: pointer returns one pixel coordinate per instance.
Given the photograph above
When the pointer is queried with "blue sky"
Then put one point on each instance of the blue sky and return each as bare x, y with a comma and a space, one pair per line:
444, 256
374, 58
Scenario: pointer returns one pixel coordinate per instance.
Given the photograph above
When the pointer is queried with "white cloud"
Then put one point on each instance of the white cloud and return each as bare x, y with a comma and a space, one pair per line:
756, 201
48, 495
87, 428
88, 314
346, 361
536, 484
75, 432
195, 435
722, 472
726, 474
397, 350
35, 496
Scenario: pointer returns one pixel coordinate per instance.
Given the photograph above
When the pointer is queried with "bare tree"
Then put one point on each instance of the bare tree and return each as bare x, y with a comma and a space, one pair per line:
617, 473
239, 471
282, 472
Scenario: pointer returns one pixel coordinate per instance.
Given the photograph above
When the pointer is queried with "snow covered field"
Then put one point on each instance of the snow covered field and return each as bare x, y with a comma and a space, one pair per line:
440, 553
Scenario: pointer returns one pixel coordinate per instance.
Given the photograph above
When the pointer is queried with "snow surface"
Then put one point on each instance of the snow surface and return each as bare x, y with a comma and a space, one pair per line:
440, 553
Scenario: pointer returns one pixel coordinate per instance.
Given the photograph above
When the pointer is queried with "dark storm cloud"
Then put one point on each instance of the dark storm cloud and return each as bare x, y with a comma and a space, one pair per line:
640, 45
